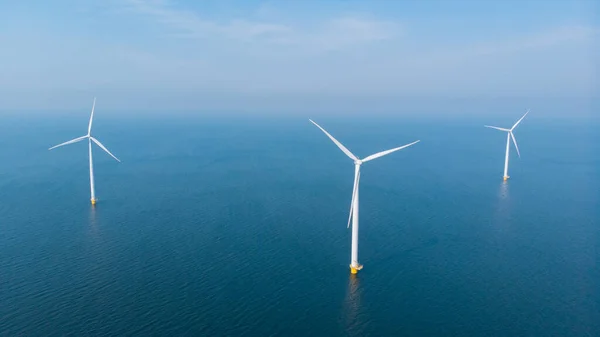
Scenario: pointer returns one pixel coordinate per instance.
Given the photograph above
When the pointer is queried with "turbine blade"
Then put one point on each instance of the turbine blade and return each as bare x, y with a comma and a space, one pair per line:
69, 142
104, 148
497, 128
356, 180
383, 153
91, 117
342, 147
515, 141
519, 121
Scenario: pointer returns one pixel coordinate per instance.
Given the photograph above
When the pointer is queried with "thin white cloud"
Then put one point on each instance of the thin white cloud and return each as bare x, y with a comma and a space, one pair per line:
345, 31
332, 34
186, 23
537, 41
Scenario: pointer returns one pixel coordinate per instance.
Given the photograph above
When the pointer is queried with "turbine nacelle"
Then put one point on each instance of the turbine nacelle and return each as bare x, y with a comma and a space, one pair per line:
88, 136
510, 132
358, 162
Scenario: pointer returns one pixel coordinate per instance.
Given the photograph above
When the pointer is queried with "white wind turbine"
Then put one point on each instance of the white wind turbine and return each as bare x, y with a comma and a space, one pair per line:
508, 137
90, 140
354, 265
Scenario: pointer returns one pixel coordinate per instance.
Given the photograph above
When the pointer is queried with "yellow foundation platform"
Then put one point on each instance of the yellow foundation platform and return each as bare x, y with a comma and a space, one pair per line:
355, 269
506, 178
93, 201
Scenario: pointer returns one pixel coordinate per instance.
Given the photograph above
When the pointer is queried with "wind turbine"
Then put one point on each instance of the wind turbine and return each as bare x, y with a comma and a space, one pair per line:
354, 265
90, 140
508, 137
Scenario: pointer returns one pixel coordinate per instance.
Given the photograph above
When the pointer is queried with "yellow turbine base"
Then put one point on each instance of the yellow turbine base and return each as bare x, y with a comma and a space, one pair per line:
93, 201
505, 178
355, 269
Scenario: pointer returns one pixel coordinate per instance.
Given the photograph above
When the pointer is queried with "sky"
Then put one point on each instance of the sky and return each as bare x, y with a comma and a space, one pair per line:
225, 54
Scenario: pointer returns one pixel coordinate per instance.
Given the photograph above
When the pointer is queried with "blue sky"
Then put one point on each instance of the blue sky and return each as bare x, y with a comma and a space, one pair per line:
182, 54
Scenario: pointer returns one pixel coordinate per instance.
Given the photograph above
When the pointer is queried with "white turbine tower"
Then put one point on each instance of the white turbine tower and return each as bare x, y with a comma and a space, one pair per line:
354, 265
508, 137
90, 140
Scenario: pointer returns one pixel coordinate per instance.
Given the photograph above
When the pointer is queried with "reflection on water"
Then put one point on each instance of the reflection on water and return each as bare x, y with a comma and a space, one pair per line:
93, 226
353, 323
501, 217
503, 190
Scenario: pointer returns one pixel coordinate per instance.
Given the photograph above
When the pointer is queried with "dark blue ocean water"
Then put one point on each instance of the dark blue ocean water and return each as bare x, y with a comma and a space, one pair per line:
214, 227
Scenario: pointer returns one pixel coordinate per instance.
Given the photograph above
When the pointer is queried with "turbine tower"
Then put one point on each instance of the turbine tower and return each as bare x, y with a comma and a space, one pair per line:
90, 140
354, 265
508, 138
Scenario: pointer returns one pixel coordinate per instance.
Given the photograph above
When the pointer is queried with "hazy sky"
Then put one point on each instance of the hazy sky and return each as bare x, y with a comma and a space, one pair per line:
186, 54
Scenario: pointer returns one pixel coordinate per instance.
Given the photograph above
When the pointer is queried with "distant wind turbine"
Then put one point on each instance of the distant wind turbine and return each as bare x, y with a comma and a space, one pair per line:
90, 140
508, 137
354, 265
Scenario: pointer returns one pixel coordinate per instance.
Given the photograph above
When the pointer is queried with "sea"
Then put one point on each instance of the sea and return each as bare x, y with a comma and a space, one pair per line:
236, 226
